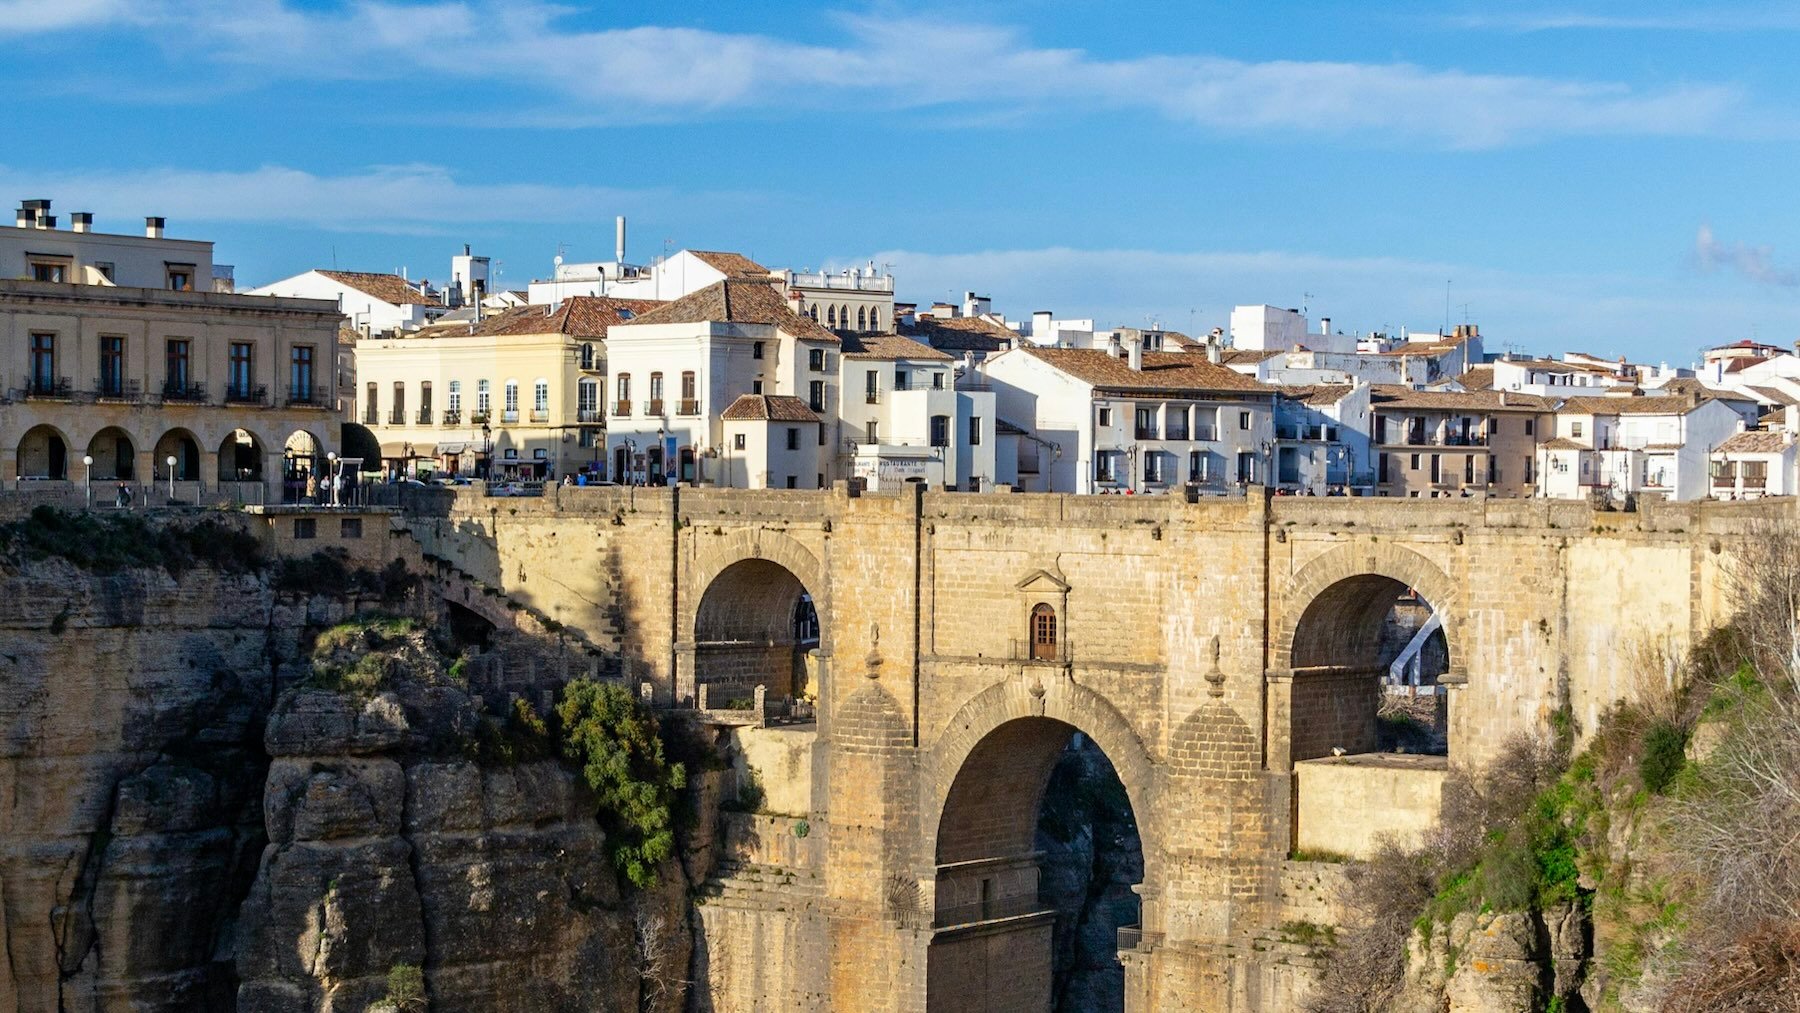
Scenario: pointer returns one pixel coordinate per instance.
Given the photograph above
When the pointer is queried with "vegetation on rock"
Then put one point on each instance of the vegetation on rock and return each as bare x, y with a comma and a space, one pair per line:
106, 543
617, 743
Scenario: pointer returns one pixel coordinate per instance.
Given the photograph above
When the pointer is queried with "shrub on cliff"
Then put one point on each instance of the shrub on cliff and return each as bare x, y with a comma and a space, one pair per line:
618, 745
107, 543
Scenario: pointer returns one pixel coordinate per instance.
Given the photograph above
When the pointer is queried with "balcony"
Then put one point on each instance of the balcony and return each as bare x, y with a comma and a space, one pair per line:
57, 387
688, 407
1146, 433
653, 407
247, 394
371, 416
1306, 433
509, 415
396, 417
305, 397
872, 397
481, 418
540, 415
115, 389
1416, 438
184, 393
1205, 434
590, 415
622, 409
425, 416
452, 417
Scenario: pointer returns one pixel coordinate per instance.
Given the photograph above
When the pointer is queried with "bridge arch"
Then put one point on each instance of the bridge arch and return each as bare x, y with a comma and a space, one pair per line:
752, 611
984, 789
1331, 605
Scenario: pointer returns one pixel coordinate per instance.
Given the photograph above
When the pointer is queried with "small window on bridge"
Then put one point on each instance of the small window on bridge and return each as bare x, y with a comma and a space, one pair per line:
1043, 632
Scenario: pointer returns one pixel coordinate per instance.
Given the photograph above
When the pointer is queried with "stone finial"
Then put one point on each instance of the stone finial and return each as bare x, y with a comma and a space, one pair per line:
1214, 675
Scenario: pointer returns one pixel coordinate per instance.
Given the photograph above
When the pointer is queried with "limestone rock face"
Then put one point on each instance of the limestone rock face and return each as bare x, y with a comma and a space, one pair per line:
131, 770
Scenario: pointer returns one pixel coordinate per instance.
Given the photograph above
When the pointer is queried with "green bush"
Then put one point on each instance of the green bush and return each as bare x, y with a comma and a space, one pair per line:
1665, 752
112, 542
617, 742
406, 988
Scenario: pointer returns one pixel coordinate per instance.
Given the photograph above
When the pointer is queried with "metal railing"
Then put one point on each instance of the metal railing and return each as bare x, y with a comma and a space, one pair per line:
622, 409
871, 397
589, 415
540, 415
396, 416
452, 417
509, 415
49, 386
424, 417
654, 406
371, 416
688, 406
1205, 434
116, 389
191, 393
306, 397
257, 394
1145, 433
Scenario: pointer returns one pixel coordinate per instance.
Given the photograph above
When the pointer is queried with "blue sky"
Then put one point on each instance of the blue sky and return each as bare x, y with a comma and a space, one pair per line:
1609, 177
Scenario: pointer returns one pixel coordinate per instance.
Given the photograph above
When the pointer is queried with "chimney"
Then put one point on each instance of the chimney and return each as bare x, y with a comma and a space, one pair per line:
619, 239
35, 213
1324, 325
1503, 397
1136, 355
153, 227
82, 221
1214, 353
1112, 345
23, 221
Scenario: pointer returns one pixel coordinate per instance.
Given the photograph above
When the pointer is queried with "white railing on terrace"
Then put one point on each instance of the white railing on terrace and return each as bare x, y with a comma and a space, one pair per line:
845, 282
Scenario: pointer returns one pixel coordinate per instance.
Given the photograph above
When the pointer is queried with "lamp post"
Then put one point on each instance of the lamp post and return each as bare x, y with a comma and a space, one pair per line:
487, 450
331, 464
87, 464
170, 461
662, 445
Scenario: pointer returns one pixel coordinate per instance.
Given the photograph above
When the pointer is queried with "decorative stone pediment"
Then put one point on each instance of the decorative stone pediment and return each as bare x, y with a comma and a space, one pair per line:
1043, 582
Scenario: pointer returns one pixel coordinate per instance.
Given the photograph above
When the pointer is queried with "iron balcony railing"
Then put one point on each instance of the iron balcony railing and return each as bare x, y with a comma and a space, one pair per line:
371, 416
424, 418
589, 415
452, 417
307, 397
622, 409
653, 407
396, 416
247, 394
190, 393
688, 407
116, 389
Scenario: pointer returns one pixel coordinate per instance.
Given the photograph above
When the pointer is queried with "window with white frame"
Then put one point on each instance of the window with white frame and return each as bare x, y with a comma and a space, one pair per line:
455, 397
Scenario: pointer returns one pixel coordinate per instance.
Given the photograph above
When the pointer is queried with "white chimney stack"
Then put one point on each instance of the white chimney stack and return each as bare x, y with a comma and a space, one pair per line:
1040, 327
1112, 345
82, 221
1136, 360
153, 227
619, 239
1324, 325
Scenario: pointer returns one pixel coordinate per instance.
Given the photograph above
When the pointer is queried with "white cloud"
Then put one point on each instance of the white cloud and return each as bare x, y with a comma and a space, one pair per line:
565, 74
1709, 19
26, 16
1756, 263
396, 198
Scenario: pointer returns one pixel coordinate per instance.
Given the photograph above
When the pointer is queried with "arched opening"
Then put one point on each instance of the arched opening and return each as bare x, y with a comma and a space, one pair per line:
1043, 632
43, 454
241, 457
1366, 716
1038, 853
184, 448
115, 456
302, 467
756, 626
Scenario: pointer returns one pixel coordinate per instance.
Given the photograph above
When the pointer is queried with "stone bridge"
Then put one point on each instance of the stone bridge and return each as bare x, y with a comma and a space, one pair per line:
1216, 651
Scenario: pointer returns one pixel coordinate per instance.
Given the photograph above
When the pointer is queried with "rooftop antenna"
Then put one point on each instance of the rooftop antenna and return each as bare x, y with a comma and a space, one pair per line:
1465, 307
1305, 300
334, 256
1446, 305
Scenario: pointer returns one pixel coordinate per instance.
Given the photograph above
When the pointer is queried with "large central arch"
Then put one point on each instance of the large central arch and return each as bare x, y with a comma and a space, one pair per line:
754, 615
983, 789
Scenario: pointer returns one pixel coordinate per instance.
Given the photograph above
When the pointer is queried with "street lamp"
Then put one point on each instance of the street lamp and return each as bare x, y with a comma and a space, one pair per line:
87, 463
331, 461
487, 450
170, 461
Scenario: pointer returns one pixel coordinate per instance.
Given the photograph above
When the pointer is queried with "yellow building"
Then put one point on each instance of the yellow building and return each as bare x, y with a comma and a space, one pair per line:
514, 395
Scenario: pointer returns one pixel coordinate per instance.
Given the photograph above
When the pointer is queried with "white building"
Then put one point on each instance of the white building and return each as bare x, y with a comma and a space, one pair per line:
852, 300
903, 417
1755, 463
1625, 445
681, 274
1322, 439
374, 303
675, 370
1122, 420
36, 250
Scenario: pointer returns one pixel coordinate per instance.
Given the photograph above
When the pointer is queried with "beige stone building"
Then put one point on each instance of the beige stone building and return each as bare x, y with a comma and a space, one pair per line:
516, 395
1429, 444
111, 369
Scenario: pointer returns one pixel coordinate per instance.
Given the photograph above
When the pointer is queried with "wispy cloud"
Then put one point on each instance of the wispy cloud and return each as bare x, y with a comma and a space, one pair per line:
1708, 18
1756, 263
393, 198
562, 73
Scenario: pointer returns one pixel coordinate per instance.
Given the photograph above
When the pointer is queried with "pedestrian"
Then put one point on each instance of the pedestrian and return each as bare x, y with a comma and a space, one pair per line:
122, 499
312, 489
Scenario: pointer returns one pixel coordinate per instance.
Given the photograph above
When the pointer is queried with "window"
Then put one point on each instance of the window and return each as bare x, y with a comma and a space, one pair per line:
862, 319
1436, 472
587, 400
509, 408
874, 318
690, 387
974, 430
756, 350
1200, 467
1527, 471
240, 371
112, 364
1530, 427
1153, 466
813, 312
623, 383
940, 430
1103, 417
900, 380
483, 400
106, 269
350, 527
43, 362
792, 482
540, 397
831, 317
937, 381
1469, 470
306, 527
656, 393
1414, 466
872, 386
737, 441
397, 414
540, 454
176, 352
1175, 422
1146, 423
1106, 465
1246, 466
1384, 467
821, 428
816, 395
587, 356
181, 277
1043, 632
424, 402
371, 404
1575, 430
300, 373
49, 270
793, 438
873, 431
1495, 477
455, 397
1243, 420
815, 360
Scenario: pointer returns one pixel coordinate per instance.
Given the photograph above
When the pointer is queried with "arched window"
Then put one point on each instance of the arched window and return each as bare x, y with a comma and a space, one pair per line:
456, 397
1043, 632
511, 405
813, 311
483, 401
862, 319
874, 318
623, 408
831, 317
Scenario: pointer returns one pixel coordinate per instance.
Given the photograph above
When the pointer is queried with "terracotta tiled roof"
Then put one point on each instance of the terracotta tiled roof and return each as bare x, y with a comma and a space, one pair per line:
1477, 378
1246, 356
742, 302
732, 265
1755, 442
584, 316
1773, 395
1317, 393
1163, 372
960, 334
1397, 397
1689, 385
1564, 443
769, 408
1651, 405
890, 347
389, 288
